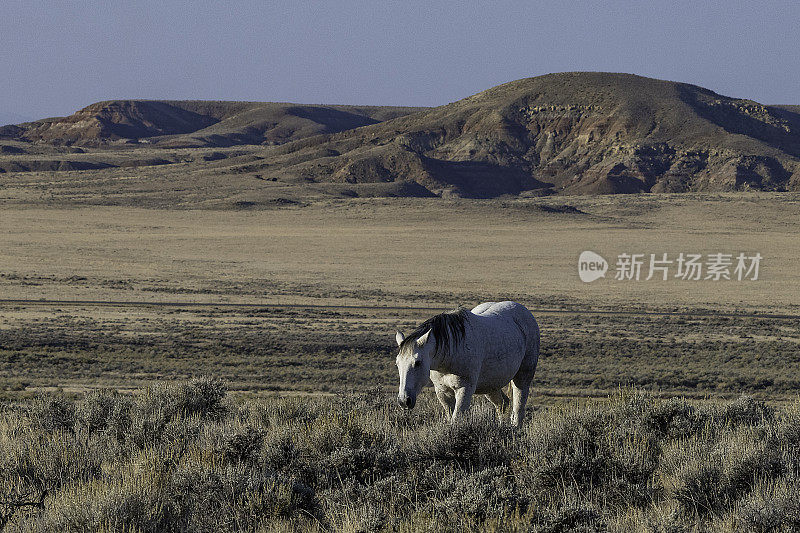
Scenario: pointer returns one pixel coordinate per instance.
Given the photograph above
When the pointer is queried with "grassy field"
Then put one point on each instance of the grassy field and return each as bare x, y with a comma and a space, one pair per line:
332, 350
184, 457
295, 308
357, 270
401, 251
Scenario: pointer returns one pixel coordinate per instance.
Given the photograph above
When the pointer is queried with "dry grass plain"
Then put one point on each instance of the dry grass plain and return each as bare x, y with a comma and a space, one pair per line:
302, 299
393, 262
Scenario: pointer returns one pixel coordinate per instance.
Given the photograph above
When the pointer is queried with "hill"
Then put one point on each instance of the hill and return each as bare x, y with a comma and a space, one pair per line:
566, 133
196, 123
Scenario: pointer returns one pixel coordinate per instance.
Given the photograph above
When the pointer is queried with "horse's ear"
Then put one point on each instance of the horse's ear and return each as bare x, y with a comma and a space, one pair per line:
423, 339
399, 337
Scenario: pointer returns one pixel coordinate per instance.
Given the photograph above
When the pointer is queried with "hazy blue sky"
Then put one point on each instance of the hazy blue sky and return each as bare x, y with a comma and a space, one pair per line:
59, 56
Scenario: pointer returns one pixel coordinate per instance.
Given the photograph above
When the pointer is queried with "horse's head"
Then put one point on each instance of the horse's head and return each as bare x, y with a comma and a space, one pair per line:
414, 366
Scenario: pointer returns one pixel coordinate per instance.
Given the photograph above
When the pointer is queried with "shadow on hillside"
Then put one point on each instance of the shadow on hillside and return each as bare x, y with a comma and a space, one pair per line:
333, 119
734, 119
479, 179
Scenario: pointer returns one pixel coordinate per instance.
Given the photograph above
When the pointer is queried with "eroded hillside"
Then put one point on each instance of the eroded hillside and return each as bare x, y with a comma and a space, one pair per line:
568, 133
182, 124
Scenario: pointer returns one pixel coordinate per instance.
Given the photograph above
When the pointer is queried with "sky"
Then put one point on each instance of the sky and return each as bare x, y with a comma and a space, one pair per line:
61, 56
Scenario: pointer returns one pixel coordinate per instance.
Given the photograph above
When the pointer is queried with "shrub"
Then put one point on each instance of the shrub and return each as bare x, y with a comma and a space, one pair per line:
573, 514
201, 396
745, 410
771, 506
101, 410
52, 412
242, 446
279, 450
707, 476
363, 519
151, 412
35, 462
632, 459
180, 457
674, 419
477, 440
232, 498
565, 451
489, 492
692, 476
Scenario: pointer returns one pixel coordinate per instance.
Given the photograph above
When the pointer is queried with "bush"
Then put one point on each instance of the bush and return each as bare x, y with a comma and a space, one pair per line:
708, 476
573, 514
693, 476
481, 494
746, 411
150, 414
180, 457
476, 440
202, 397
566, 452
674, 419
52, 412
102, 410
771, 506
243, 445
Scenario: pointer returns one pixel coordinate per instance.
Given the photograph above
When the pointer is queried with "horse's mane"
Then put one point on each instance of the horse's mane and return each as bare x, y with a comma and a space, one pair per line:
447, 329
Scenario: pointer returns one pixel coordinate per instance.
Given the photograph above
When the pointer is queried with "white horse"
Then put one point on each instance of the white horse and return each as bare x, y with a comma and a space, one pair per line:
471, 352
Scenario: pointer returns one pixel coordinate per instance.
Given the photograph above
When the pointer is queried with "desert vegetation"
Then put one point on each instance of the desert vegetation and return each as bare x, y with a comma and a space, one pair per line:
264, 350
187, 456
302, 299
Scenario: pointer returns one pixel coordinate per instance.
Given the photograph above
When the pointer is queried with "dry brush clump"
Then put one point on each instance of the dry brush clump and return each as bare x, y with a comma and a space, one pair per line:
189, 457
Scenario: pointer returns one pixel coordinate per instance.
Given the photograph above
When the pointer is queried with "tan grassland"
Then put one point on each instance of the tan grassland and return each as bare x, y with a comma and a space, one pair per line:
387, 255
399, 251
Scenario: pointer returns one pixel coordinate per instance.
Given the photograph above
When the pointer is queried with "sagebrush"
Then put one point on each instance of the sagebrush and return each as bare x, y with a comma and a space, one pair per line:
190, 457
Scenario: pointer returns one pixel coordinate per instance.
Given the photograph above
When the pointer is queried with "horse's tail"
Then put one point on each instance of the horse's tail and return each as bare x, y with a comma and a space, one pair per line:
536, 338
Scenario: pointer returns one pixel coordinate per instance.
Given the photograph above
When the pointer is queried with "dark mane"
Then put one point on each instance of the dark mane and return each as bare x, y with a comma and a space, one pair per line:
447, 329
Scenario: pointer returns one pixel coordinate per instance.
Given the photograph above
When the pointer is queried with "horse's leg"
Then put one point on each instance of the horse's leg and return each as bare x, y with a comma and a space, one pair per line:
447, 398
520, 398
500, 402
463, 399
521, 384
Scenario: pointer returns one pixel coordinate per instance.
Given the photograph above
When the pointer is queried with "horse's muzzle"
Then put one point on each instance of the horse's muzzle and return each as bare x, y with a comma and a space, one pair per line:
408, 402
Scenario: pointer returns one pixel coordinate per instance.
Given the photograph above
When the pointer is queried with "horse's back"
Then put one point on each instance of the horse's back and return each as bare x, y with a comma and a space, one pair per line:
480, 308
512, 313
